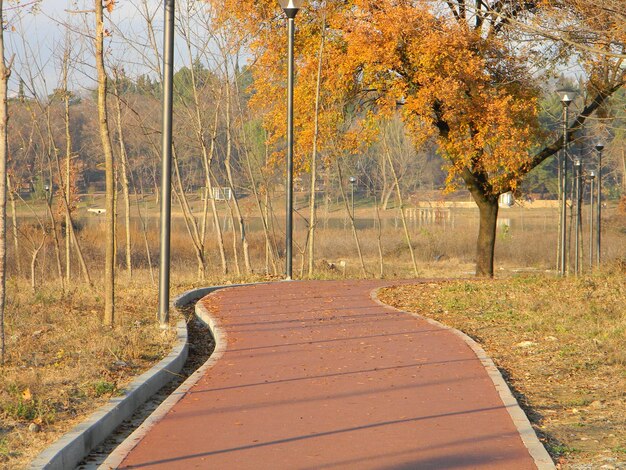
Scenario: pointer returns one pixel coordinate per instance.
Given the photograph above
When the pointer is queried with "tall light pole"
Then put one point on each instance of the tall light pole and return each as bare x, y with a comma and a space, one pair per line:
577, 188
592, 178
291, 8
565, 101
166, 164
599, 148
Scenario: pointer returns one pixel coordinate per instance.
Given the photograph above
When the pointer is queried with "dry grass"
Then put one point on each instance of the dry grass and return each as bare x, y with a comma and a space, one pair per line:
571, 376
62, 363
526, 238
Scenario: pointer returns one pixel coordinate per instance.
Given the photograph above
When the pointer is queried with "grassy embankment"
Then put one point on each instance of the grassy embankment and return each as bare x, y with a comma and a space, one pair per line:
62, 363
560, 344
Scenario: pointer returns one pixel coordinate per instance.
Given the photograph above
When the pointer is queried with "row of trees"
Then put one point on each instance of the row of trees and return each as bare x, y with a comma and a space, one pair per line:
382, 86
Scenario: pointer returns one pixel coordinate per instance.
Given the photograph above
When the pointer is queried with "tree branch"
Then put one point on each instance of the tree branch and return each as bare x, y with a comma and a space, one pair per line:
557, 145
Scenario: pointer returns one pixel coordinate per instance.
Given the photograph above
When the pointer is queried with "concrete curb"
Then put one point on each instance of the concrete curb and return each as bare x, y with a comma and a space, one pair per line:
76, 444
116, 457
535, 448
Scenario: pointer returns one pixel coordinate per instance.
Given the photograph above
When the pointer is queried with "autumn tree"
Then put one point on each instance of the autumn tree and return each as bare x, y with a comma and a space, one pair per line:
459, 73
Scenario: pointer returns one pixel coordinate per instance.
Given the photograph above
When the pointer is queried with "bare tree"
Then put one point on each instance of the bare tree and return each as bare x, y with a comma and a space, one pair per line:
109, 264
208, 152
312, 202
124, 172
229, 174
355, 234
5, 72
36, 244
407, 235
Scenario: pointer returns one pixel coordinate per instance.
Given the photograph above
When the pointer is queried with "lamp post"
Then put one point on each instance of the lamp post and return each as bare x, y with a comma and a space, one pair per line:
592, 177
577, 188
565, 101
166, 164
291, 8
352, 180
599, 148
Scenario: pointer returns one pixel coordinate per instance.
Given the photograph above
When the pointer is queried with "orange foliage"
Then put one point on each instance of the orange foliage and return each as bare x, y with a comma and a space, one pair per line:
450, 78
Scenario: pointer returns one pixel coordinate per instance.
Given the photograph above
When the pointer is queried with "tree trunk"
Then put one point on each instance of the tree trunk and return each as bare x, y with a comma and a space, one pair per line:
70, 233
327, 195
124, 171
312, 211
351, 217
68, 168
33, 263
109, 265
623, 170
53, 228
144, 230
190, 220
207, 160
229, 175
66, 192
216, 217
16, 239
4, 78
270, 253
486, 243
381, 261
235, 251
407, 235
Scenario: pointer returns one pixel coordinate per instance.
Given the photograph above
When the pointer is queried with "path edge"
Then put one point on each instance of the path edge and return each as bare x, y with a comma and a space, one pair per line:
73, 446
530, 439
115, 458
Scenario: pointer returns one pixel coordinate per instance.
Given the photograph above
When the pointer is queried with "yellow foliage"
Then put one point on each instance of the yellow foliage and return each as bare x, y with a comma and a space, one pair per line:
449, 79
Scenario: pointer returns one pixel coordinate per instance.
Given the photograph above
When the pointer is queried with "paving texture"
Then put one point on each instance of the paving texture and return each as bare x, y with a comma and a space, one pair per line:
317, 375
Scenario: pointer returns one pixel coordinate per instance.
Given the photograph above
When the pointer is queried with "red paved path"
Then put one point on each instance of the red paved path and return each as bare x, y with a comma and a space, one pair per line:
317, 375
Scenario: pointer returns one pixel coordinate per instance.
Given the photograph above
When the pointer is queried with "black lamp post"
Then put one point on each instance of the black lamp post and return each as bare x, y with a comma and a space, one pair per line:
592, 178
291, 8
565, 101
599, 148
577, 193
166, 164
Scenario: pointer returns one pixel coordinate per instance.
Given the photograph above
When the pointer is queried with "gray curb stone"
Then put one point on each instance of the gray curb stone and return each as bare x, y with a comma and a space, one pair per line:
535, 448
76, 444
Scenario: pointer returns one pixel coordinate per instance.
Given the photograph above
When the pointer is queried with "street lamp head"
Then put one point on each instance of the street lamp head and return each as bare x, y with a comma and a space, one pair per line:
577, 162
566, 100
352, 180
599, 147
291, 7
592, 174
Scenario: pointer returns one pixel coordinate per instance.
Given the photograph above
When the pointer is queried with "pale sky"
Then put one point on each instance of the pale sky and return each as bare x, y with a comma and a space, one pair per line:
37, 39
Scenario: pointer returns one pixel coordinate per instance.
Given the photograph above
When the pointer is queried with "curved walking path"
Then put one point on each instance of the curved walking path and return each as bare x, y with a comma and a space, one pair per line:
318, 375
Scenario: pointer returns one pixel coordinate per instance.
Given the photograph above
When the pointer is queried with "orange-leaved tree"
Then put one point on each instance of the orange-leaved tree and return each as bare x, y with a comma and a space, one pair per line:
457, 71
